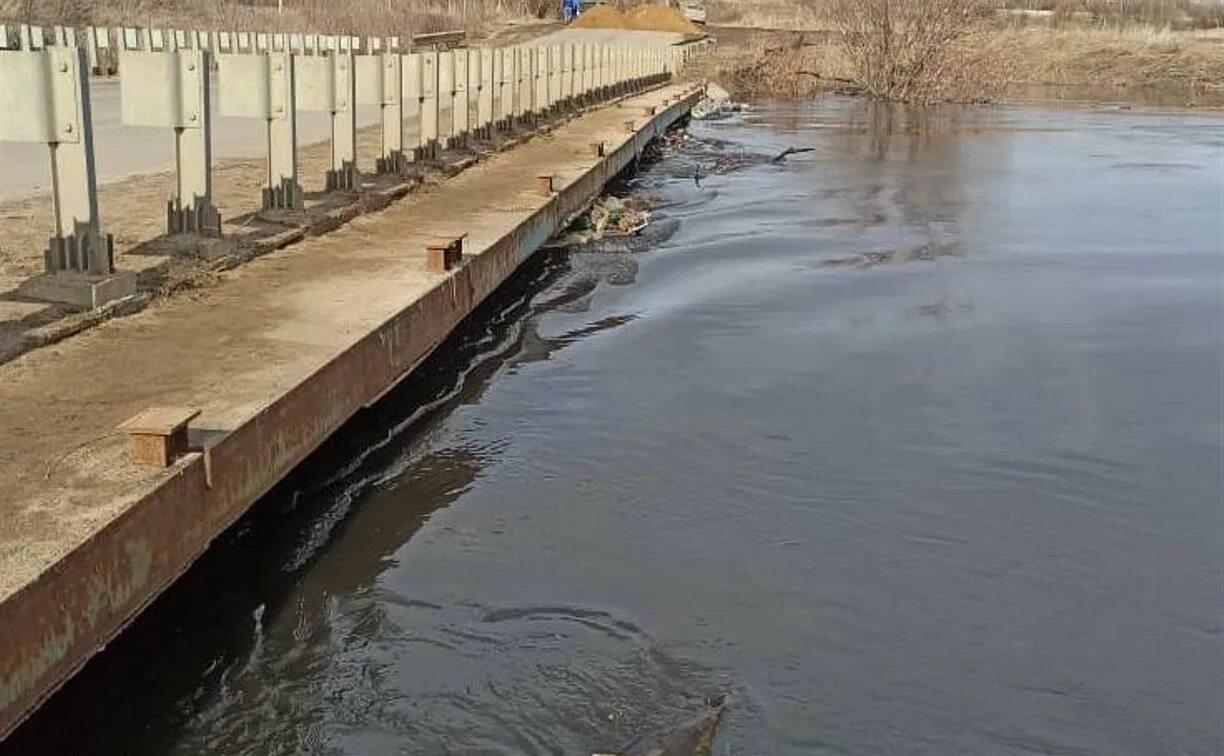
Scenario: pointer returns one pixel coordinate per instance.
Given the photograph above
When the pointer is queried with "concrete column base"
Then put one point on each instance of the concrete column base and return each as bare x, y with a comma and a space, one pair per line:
287, 196
201, 217
79, 289
343, 178
396, 162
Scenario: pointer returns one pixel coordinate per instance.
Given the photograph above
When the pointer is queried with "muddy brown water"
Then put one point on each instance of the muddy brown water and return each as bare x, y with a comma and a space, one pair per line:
910, 444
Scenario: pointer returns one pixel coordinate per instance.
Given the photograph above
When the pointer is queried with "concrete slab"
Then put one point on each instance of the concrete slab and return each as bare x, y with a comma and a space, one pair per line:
79, 289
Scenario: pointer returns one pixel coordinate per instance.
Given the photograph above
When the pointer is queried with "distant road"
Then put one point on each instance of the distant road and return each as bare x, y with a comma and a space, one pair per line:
124, 151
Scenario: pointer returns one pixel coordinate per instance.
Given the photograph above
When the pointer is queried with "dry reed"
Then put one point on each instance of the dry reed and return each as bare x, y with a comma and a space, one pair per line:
364, 17
913, 50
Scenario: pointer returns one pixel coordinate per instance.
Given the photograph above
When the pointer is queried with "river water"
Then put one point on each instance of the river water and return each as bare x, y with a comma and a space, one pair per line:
909, 444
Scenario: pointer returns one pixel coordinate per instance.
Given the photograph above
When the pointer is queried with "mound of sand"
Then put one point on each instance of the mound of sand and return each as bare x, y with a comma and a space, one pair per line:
658, 18
643, 18
602, 17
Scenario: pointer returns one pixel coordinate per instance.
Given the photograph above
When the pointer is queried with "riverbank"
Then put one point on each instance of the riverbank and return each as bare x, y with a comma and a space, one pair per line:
1133, 64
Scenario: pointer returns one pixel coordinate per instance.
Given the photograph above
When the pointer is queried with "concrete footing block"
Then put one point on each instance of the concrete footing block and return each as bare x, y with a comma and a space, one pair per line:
193, 246
79, 289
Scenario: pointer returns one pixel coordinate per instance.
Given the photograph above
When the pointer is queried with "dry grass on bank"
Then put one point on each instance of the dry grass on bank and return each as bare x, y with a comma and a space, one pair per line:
1160, 14
1122, 57
364, 17
960, 50
788, 15
818, 15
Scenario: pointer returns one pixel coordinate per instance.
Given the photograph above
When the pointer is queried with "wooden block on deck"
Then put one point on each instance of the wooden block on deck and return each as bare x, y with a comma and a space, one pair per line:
159, 434
443, 254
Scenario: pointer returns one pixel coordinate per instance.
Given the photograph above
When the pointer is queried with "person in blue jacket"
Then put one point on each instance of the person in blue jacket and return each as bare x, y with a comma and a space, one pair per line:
571, 9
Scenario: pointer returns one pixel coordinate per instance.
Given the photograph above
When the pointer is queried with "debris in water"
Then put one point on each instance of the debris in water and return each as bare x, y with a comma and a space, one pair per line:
716, 104
791, 151
692, 737
710, 109
609, 217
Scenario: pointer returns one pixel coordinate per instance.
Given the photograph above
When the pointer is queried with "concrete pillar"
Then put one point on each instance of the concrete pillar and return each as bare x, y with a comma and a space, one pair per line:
588, 71
91, 51
392, 159
462, 112
579, 73
524, 69
411, 97
429, 103
540, 81
281, 189
263, 86
488, 87
502, 106
171, 90
46, 99
566, 95
327, 83
602, 70
343, 172
554, 77
446, 98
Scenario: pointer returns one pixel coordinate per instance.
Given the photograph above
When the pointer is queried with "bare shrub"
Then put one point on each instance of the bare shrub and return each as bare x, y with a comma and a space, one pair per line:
67, 12
539, 8
781, 65
908, 50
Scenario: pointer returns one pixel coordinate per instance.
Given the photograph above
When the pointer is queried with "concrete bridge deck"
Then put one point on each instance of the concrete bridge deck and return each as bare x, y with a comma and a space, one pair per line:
277, 354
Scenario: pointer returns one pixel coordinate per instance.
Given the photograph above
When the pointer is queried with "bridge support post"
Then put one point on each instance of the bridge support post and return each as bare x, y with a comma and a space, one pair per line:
171, 90
540, 83
565, 96
46, 97
263, 86
327, 84
503, 70
430, 88
446, 99
380, 82
554, 79
488, 86
462, 107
